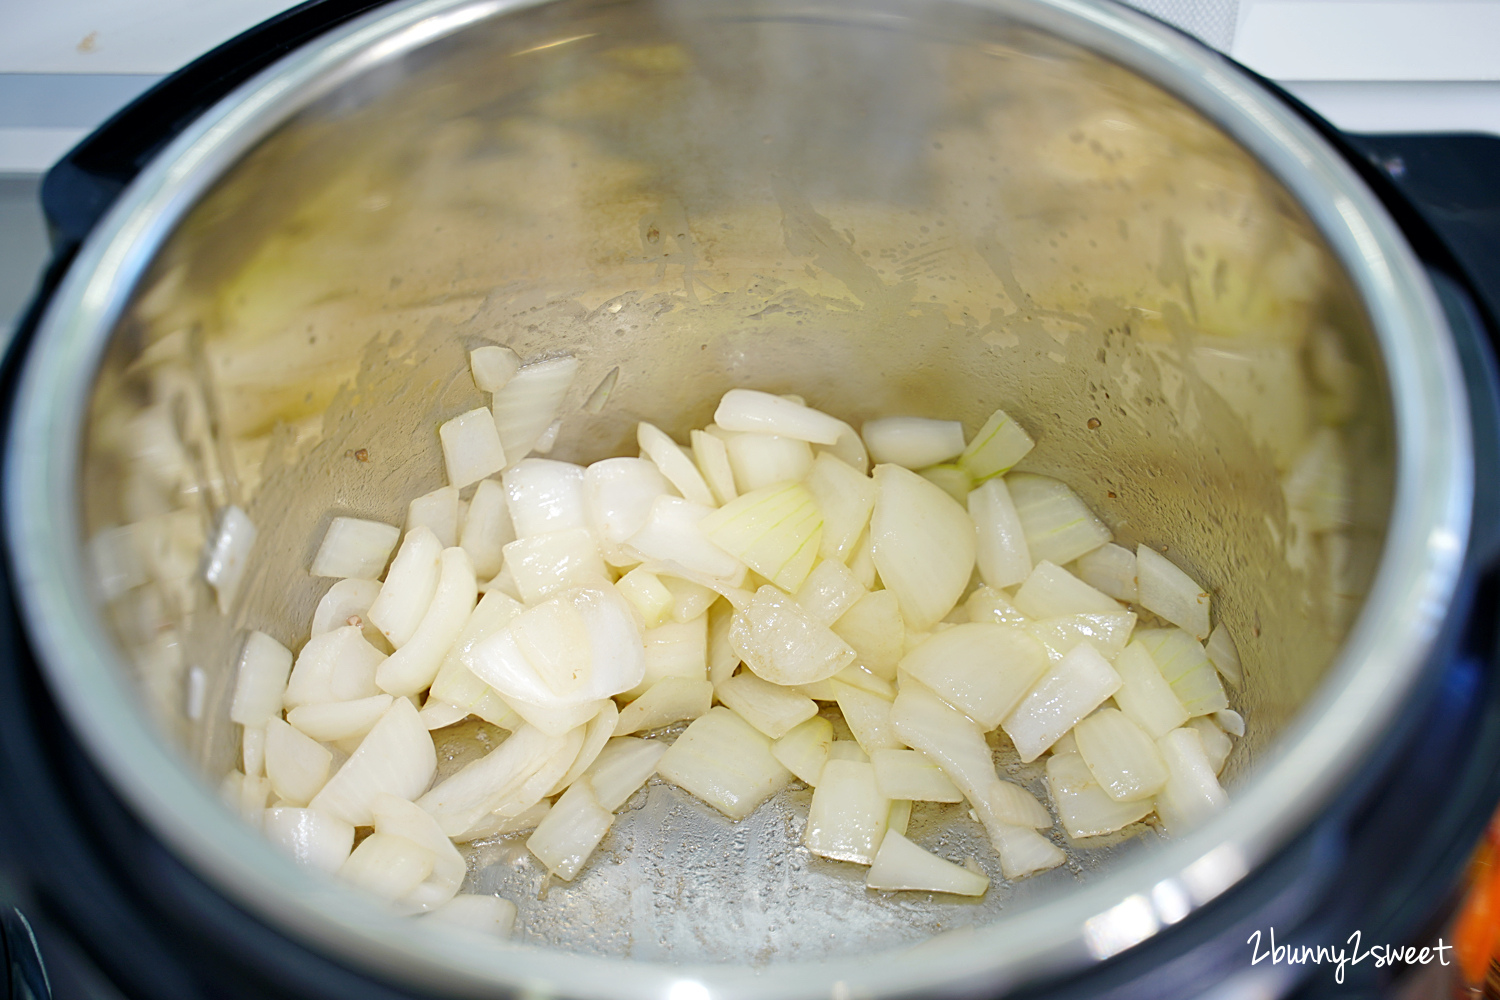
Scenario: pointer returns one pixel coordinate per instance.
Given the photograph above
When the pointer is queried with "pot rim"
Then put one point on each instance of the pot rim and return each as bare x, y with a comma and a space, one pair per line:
1379, 663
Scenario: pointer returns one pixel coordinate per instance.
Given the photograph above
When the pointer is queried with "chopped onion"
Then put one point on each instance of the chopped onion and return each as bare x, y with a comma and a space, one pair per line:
388, 865
438, 512
409, 585
1144, 693
761, 460
260, 680
804, 749
868, 716
345, 600
829, 591
296, 765
456, 683
1192, 792
874, 630
722, 658
487, 529
1072, 688
1059, 527
689, 600
909, 774
490, 916
228, 555
899, 818
462, 799
401, 818
332, 721
1000, 444
847, 818
674, 464
544, 496
412, 667
761, 412
848, 449
494, 824
545, 564
1216, 744
528, 403
1120, 754
1084, 807
1051, 592
913, 442
471, 447
1231, 722
335, 666
1222, 653
847, 750
624, 765
672, 535
669, 700
311, 837
989, 605
981, 669
596, 735
1111, 570
1002, 555
924, 545
726, 762
1185, 665
1171, 593
397, 757
568, 834
770, 708
493, 367
775, 531
439, 714
356, 548
253, 750
950, 479
845, 497
647, 594
900, 864
779, 642
713, 461
674, 649
618, 495
1023, 851
1106, 633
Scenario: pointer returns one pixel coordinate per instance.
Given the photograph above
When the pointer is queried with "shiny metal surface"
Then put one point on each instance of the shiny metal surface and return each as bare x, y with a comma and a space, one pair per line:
1059, 207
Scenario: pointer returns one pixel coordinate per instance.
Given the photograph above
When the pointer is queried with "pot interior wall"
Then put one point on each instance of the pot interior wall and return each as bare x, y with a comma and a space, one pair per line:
921, 209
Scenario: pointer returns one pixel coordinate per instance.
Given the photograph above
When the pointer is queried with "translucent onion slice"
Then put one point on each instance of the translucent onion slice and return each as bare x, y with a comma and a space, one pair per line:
538, 785
829, 591
1120, 754
950, 479
456, 683
913, 442
412, 668
296, 765
899, 818
847, 750
761, 460
689, 600
847, 818
981, 669
722, 658
848, 449
490, 916
568, 834
397, 757
544, 495
493, 366
1222, 653
1216, 744
1051, 591
624, 765
388, 865
804, 749
1024, 851
726, 762
674, 463
260, 680
770, 708
845, 497
1106, 633
345, 601
1071, 688
439, 714
471, 447
874, 630
1231, 722
924, 545
712, 457
487, 529
1110, 569
253, 750
596, 735
647, 594
227, 555
618, 494
1083, 807
311, 837
1059, 527
332, 721
868, 716
438, 512
1002, 555
543, 565
465, 797
1192, 792
494, 824
674, 649
761, 412
528, 403
409, 586
989, 605
335, 666
353, 547
672, 536
1171, 593
397, 816
910, 774
779, 642
1144, 693
669, 700
1000, 444
899, 864
1186, 667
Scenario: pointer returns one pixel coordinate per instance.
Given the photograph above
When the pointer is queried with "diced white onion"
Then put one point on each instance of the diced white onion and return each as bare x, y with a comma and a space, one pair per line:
311, 837
439, 714
397, 816
296, 765
624, 765
674, 464
689, 599
848, 449
1120, 754
388, 865
1051, 591
669, 700
471, 447
1231, 722
1072, 688
528, 403
228, 555
874, 630
260, 680
490, 916
1084, 807
761, 460
989, 605
1216, 744
1023, 851
345, 600
1185, 665
596, 735
1000, 444
1192, 792
845, 497
913, 442
456, 683
779, 642
334, 666
543, 496
1106, 633
438, 512
674, 649
413, 666
1110, 569
332, 721
924, 545
463, 798
647, 594
1222, 653
1171, 593
1002, 555
950, 479
409, 585
829, 591
487, 529
847, 818
1059, 527
804, 750
981, 669
542, 565
868, 716
672, 535
761, 412
770, 708
568, 834
712, 457
909, 774
900, 864
493, 367
1144, 693
775, 531
356, 548
397, 757
726, 762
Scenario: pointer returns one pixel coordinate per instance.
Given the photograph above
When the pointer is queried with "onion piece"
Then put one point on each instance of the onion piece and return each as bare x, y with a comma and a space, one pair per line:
672, 535
332, 721
596, 735
413, 666
647, 594
829, 591
465, 797
1002, 555
910, 774
770, 708
409, 586
674, 464
1192, 792
490, 916
1106, 633
845, 497
1051, 592
761, 412
456, 683
924, 545
494, 824
1231, 722
847, 750
493, 366
874, 630
991, 606
1082, 805
260, 680
899, 818
438, 512
1059, 527
345, 600
950, 479
1120, 754
848, 449
674, 649
1185, 665
528, 403
1000, 444
868, 716
353, 547
397, 816
847, 818
669, 700
397, 757
618, 494
1222, 653
1072, 688
981, 669
780, 643
439, 714
804, 749
762, 460
253, 750
1110, 569
227, 555
913, 442
712, 457
901, 865
312, 838
296, 765
1216, 745
388, 865
471, 447
624, 765
487, 529
335, 666
543, 496
543, 565
722, 658
1171, 593
568, 834
690, 600
856, 676
775, 531
726, 762
1144, 693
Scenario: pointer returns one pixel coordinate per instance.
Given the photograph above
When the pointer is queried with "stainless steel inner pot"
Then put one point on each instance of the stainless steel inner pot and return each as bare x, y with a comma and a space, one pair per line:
897, 206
